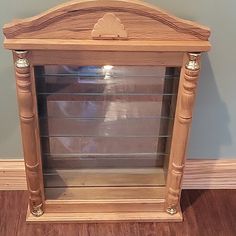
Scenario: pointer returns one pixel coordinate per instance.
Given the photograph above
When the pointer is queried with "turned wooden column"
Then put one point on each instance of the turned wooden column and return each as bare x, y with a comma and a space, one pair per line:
183, 119
27, 111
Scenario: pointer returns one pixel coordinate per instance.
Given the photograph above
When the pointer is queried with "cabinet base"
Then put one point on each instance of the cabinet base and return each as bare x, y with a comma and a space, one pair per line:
105, 217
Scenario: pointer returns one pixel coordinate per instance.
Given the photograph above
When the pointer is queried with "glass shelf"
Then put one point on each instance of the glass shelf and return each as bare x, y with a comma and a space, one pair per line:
107, 118
104, 127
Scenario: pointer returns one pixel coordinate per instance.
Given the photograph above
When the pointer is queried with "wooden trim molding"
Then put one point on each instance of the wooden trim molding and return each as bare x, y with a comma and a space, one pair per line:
107, 45
199, 174
12, 175
210, 174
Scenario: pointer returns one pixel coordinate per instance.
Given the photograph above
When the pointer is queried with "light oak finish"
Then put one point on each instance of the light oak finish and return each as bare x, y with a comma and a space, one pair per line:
98, 33
29, 132
136, 200
77, 18
198, 174
87, 58
186, 96
133, 205
200, 208
107, 194
109, 27
70, 25
104, 177
101, 45
106, 217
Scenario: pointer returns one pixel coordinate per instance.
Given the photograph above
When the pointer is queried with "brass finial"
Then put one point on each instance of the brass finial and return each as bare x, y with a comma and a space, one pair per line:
22, 61
193, 63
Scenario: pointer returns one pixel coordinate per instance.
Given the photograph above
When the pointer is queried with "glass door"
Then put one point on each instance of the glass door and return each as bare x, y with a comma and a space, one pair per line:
105, 126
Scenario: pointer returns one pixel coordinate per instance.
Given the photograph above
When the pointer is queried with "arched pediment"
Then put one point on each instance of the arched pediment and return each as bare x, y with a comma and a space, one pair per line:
77, 19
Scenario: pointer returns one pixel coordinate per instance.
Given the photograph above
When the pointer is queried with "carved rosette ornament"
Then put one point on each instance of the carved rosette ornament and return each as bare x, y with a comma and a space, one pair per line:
28, 124
187, 92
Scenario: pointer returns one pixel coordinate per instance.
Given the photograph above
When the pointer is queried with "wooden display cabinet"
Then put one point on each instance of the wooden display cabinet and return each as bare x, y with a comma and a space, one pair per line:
106, 92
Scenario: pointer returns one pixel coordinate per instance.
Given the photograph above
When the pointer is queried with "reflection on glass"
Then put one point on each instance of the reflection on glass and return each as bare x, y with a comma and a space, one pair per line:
109, 117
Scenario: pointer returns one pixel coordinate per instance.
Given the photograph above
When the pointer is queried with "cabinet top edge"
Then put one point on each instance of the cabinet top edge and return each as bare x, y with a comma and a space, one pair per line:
107, 45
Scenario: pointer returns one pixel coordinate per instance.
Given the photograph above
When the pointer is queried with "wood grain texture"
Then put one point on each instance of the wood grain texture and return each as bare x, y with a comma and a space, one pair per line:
198, 174
109, 27
109, 203
62, 206
107, 45
12, 175
183, 118
148, 31
88, 58
104, 177
106, 217
107, 194
206, 213
210, 174
76, 19
29, 131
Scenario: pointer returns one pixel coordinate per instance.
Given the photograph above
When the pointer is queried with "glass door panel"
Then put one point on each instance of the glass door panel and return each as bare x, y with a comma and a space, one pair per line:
105, 126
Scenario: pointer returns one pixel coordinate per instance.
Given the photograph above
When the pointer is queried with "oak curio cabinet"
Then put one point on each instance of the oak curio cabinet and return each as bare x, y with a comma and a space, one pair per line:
106, 92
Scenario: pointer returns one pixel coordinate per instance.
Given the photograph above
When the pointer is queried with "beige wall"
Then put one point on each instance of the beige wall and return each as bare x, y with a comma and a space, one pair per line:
214, 126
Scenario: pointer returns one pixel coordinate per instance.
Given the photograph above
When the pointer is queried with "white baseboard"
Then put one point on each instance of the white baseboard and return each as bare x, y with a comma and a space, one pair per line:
210, 174
12, 175
199, 174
